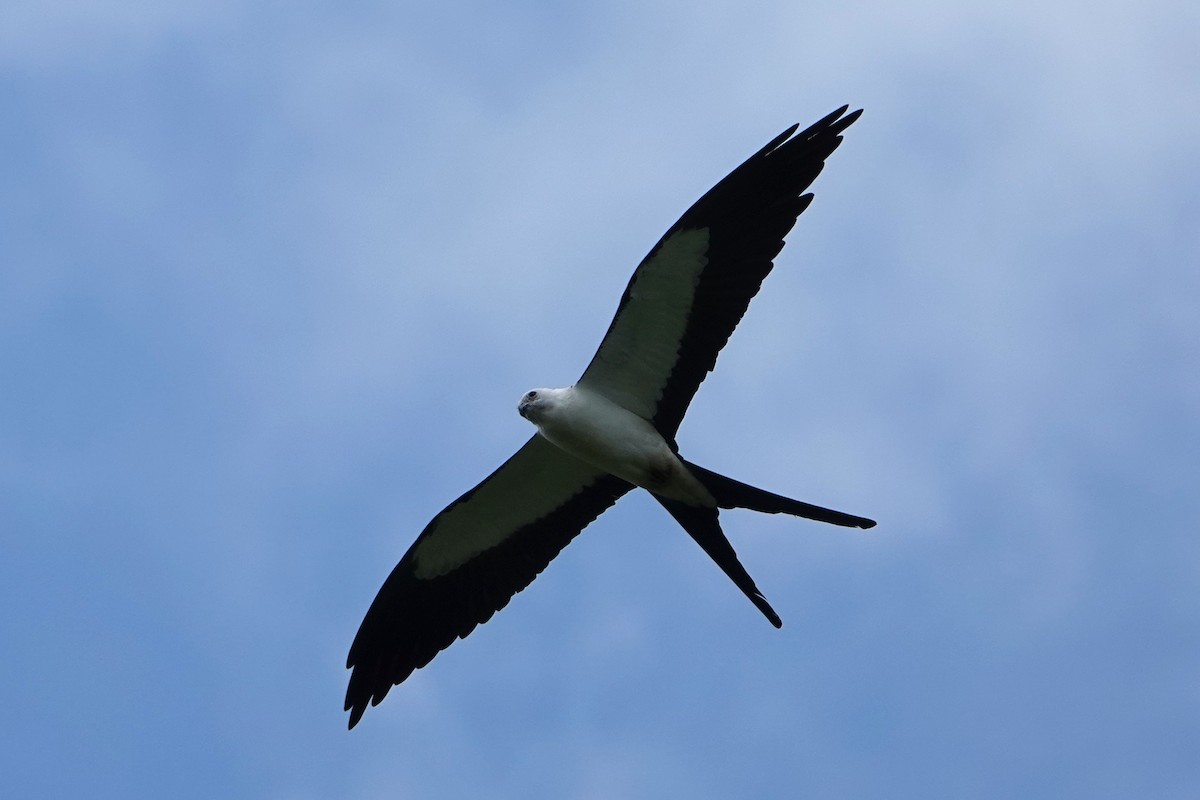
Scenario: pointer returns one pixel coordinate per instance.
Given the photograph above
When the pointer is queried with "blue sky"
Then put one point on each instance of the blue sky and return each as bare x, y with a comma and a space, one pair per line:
272, 279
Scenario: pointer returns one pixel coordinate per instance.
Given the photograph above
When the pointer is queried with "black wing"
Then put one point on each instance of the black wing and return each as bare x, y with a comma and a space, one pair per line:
469, 562
690, 292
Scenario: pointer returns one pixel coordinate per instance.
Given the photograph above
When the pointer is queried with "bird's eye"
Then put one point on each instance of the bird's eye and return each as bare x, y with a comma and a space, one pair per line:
531, 396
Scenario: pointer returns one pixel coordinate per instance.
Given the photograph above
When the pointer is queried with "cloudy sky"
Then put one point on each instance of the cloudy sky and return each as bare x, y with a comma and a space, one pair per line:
273, 276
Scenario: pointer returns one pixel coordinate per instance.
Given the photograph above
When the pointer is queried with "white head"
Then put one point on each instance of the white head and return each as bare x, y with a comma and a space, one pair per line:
536, 403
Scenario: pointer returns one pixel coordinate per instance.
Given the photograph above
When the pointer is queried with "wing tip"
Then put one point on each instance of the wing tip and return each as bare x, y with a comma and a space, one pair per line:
356, 714
841, 119
832, 124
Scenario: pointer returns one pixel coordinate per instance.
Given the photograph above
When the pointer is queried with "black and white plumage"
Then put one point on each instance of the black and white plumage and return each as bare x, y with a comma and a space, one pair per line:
613, 430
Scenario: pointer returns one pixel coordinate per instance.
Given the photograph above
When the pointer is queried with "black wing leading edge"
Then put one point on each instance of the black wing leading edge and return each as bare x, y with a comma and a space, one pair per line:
739, 227
470, 561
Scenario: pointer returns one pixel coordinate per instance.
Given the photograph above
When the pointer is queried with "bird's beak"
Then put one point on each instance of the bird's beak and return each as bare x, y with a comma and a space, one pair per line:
521, 409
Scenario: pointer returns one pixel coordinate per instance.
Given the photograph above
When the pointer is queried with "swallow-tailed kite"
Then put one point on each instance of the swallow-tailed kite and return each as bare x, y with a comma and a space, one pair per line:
613, 430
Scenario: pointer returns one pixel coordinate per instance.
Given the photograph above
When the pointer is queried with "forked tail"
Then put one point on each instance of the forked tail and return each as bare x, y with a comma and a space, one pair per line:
702, 524
734, 494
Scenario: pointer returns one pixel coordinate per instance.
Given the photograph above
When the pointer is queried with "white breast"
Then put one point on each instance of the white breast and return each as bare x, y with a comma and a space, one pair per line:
611, 438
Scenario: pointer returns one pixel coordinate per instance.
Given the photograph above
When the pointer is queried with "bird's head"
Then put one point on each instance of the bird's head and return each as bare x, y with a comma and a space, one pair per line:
535, 403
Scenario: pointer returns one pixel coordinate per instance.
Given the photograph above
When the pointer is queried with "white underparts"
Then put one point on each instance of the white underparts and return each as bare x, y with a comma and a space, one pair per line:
613, 439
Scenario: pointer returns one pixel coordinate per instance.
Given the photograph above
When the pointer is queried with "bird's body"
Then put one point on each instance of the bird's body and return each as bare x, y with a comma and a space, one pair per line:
612, 431
612, 439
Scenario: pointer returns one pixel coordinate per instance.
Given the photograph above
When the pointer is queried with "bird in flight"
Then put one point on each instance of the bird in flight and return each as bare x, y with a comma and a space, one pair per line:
612, 431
